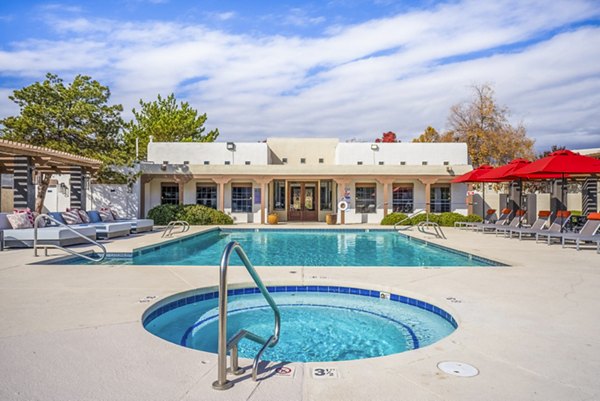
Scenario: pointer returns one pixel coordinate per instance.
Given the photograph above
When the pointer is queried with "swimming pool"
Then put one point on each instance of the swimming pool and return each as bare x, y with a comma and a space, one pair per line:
318, 323
296, 247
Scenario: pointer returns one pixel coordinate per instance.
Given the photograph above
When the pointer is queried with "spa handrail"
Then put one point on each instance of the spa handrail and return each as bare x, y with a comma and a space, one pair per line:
185, 226
36, 226
222, 383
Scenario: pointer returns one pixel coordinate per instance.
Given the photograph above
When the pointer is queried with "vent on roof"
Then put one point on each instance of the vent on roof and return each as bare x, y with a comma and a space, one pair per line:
227, 162
206, 162
321, 161
424, 163
446, 163
403, 163
359, 163
302, 160
381, 163
247, 162
284, 160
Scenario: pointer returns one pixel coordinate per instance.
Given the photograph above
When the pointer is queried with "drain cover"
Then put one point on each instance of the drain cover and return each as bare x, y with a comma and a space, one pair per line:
458, 369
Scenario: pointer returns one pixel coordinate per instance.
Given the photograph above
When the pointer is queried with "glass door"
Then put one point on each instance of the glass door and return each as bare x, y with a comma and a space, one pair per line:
303, 201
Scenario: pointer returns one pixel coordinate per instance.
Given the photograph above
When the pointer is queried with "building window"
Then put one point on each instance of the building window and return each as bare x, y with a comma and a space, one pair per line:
366, 198
241, 198
206, 162
206, 195
359, 163
279, 195
247, 162
424, 163
169, 194
326, 194
440, 198
284, 160
227, 162
403, 163
303, 161
402, 198
381, 163
321, 161
446, 163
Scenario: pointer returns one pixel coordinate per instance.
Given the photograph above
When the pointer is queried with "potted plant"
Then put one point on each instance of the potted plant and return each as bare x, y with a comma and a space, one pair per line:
272, 218
331, 218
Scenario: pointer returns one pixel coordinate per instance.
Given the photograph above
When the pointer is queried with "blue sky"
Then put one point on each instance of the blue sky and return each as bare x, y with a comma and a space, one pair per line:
343, 68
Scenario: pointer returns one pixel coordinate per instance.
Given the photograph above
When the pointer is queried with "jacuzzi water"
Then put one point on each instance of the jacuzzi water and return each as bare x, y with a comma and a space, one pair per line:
315, 325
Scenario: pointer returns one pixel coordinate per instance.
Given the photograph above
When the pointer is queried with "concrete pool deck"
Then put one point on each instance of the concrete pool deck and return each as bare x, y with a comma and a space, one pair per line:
72, 332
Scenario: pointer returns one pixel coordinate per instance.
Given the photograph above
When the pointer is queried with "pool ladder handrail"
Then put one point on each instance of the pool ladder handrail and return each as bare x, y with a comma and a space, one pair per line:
222, 383
410, 216
436, 228
36, 226
185, 227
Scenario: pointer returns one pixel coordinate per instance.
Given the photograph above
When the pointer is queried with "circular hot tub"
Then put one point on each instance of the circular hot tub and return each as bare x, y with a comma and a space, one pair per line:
318, 323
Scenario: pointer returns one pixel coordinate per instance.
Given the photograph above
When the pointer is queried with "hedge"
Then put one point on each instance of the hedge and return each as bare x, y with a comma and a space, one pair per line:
446, 219
193, 214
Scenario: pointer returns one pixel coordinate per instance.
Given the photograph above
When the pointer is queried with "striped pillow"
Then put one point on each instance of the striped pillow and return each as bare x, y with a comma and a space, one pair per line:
106, 215
71, 217
82, 215
19, 220
29, 214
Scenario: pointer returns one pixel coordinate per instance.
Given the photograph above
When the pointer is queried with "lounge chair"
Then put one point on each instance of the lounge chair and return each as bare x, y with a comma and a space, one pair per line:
502, 220
588, 233
561, 220
538, 225
105, 230
517, 222
488, 219
137, 225
55, 235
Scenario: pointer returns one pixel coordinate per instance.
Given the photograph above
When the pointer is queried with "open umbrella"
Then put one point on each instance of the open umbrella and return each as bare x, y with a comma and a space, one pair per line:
504, 173
563, 163
473, 176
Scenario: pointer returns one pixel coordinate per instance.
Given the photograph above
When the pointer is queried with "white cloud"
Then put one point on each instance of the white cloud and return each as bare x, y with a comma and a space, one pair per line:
354, 81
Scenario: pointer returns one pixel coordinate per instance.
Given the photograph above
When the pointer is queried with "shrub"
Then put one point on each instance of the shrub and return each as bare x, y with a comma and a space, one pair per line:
193, 214
163, 214
448, 219
472, 218
394, 218
202, 215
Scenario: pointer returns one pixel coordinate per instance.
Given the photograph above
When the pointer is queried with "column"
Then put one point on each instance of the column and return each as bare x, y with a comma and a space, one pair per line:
221, 181
341, 186
263, 182
181, 185
24, 188
386, 193
144, 179
76, 193
427, 182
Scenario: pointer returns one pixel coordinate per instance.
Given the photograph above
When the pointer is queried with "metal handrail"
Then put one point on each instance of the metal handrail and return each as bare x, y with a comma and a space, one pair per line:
436, 227
410, 216
185, 226
47, 246
222, 383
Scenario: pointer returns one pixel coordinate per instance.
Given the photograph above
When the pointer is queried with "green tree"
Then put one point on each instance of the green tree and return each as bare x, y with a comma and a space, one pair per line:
484, 126
166, 121
72, 117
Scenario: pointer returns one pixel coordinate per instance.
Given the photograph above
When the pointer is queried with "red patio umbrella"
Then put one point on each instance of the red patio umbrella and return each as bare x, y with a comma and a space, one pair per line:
473, 176
562, 163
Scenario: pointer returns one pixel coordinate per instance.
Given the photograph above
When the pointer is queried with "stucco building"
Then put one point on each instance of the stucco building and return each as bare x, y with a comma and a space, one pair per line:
306, 179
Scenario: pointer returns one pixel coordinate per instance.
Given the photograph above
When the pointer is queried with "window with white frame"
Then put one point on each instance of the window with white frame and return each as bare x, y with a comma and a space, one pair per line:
206, 194
402, 198
440, 198
366, 198
241, 198
279, 195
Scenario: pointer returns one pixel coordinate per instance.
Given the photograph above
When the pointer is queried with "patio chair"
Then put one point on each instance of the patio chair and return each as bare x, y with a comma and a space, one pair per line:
562, 218
502, 220
488, 219
588, 233
517, 222
538, 225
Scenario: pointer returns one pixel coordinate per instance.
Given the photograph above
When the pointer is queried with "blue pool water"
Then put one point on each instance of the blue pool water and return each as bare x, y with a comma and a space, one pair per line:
304, 248
316, 326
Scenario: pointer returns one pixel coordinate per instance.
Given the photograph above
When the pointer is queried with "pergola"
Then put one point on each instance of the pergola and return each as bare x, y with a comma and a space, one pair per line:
27, 163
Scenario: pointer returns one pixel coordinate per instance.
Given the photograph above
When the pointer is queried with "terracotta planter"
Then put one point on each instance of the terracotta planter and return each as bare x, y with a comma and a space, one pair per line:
272, 219
331, 219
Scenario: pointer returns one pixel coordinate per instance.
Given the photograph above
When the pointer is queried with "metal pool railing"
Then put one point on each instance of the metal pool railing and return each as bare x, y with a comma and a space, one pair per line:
222, 383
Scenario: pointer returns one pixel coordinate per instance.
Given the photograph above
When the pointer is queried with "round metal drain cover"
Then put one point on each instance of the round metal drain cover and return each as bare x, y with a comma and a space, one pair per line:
458, 369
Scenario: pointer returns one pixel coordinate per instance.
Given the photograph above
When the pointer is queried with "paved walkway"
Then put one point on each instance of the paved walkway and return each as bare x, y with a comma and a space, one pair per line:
70, 332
